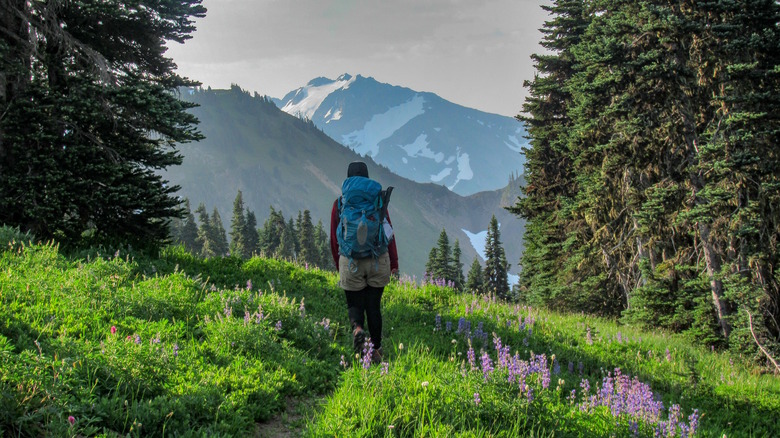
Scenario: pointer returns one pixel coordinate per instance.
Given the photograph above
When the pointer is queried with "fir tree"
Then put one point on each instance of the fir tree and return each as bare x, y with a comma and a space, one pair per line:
89, 114
238, 228
218, 236
430, 265
495, 273
251, 236
205, 233
188, 235
475, 282
441, 265
308, 248
457, 267
287, 242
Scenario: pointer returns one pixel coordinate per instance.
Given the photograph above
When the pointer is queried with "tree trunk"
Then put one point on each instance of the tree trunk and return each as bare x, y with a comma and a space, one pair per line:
713, 261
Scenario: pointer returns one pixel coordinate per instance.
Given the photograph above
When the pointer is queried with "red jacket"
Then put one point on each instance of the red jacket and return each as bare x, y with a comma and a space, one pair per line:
334, 243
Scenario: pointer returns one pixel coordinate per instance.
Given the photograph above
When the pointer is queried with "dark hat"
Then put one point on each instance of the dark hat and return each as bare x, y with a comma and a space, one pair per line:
357, 168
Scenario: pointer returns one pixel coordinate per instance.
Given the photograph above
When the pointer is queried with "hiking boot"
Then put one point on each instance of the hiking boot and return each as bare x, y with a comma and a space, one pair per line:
376, 356
358, 339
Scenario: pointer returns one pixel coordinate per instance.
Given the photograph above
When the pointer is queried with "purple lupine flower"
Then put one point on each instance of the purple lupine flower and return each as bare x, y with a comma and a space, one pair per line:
487, 365
530, 394
556, 367
175, 350
477, 400
385, 368
302, 308
571, 367
448, 326
437, 324
572, 396
471, 356
138, 339
633, 427
588, 338
249, 284
668, 355
693, 421
580, 367
278, 325
619, 338
368, 350
343, 362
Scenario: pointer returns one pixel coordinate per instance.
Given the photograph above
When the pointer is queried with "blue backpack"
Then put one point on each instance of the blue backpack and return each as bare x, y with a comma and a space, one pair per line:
362, 212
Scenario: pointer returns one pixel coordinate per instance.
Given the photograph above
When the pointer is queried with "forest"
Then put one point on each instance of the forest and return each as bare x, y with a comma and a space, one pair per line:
653, 172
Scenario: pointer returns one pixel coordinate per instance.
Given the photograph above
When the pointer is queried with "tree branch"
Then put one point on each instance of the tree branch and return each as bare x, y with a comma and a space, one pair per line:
750, 322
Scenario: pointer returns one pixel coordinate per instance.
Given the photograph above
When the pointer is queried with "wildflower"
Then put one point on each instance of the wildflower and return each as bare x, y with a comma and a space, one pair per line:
448, 326
530, 394
71, 420
138, 339
424, 383
401, 346
368, 352
278, 326
113, 329
302, 308
476, 398
472, 356
668, 355
391, 427
487, 365
175, 350
249, 284
437, 326
385, 368
343, 362
588, 338
571, 367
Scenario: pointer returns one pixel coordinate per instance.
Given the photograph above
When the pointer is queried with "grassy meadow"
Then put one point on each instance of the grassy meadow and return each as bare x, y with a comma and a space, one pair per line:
120, 344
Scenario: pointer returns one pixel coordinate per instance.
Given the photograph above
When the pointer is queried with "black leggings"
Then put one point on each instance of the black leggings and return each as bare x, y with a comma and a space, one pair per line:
366, 301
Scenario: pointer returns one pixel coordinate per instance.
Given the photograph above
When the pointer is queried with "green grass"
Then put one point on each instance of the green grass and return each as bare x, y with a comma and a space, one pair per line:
182, 346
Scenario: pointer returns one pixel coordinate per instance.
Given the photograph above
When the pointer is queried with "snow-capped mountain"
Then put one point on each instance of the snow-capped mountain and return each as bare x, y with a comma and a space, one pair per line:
417, 135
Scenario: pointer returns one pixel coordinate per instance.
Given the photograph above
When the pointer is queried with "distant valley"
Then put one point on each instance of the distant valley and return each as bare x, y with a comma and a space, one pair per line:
283, 161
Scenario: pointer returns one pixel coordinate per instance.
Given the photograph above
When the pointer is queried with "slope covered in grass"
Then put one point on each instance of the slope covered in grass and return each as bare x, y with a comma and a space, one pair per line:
111, 344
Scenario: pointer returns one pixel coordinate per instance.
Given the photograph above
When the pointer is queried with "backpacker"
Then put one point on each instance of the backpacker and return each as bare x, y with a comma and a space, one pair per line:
362, 213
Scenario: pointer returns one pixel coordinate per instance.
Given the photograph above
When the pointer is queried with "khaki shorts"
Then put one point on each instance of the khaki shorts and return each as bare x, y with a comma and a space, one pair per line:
370, 271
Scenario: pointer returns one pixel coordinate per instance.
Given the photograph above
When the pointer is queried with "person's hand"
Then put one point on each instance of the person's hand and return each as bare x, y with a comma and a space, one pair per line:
394, 273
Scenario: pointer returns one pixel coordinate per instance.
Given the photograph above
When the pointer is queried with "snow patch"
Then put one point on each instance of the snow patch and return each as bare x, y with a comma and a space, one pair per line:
419, 148
381, 126
441, 175
514, 144
477, 241
464, 170
336, 115
313, 97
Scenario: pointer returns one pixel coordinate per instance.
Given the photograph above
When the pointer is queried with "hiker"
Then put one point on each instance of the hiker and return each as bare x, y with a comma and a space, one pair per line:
363, 273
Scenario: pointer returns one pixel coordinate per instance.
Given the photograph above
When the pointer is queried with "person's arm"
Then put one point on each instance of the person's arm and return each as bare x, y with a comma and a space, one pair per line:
392, 250
334, 243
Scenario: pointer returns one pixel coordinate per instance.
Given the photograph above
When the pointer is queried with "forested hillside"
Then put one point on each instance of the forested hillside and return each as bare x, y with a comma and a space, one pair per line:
654, 171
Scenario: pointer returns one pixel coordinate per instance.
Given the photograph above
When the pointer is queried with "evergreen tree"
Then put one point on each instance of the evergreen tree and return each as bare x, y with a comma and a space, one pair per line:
287, 242
457, 267
441, 265
218, 236
251, 236
308, 248
89, 114
475, 281
322, 240
495, 273
205, 233
430, 265
238, 244
270, 236
188, 235
653, 170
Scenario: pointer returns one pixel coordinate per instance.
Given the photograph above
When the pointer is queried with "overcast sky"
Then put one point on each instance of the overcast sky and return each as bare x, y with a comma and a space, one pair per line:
475, 53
